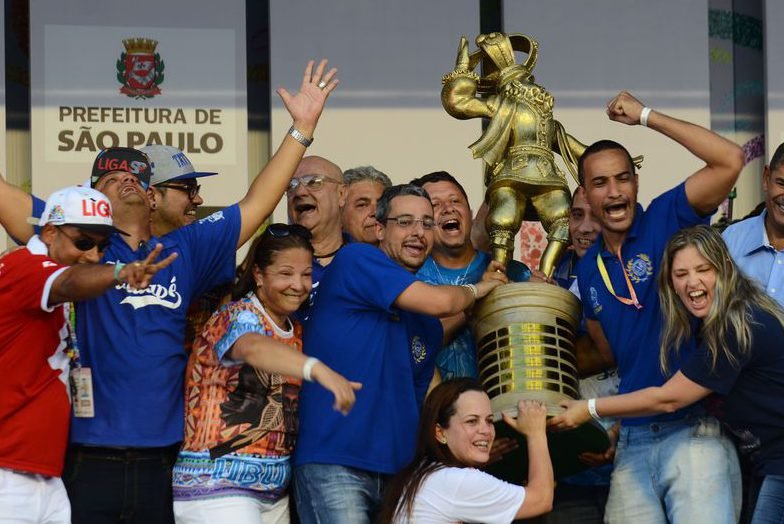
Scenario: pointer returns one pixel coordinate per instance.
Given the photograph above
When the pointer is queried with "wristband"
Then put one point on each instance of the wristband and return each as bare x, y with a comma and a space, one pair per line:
117, 268
644, 114
297, 135
307, 367
472, 289
592, 410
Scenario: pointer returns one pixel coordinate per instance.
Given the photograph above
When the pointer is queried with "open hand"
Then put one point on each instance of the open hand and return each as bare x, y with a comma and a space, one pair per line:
576, 415
305, 107
531, 417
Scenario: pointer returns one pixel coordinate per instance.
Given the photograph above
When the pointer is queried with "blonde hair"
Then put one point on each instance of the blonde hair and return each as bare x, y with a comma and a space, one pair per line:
729, 315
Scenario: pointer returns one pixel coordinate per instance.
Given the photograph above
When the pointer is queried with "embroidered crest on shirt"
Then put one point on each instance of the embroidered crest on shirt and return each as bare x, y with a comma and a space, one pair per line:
639, 268
418, 349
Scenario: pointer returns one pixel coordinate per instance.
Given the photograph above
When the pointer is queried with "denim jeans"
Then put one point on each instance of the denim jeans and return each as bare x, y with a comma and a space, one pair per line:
120, 485
770, 501
332, 494
677, 472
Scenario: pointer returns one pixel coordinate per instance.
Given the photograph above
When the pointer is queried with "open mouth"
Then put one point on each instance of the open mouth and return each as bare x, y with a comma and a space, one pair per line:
304, 207
415, 249
698, 299
484, 445
584, 242
615, 211
451, 224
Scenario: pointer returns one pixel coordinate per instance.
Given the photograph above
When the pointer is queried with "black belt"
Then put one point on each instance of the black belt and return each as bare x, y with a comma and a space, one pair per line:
125, 454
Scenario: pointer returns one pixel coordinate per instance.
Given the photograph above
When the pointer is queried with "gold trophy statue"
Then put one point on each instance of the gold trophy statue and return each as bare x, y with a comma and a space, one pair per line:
517, 146
525, 332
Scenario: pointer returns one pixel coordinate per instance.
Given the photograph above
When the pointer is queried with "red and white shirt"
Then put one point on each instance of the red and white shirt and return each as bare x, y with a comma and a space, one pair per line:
34, 402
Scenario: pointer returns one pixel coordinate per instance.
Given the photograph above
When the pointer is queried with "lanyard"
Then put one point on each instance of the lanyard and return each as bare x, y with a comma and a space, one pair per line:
72, 347
603, 270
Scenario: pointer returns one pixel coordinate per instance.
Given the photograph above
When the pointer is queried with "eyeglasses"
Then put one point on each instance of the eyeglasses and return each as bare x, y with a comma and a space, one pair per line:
85, 243
279, 230
191, 189
408, 221
309, 182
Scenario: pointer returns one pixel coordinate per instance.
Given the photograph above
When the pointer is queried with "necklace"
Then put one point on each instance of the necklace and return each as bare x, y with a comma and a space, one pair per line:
461, 279
328, 255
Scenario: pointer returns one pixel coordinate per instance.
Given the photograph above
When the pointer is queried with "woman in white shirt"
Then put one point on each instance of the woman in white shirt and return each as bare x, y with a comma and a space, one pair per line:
455, 436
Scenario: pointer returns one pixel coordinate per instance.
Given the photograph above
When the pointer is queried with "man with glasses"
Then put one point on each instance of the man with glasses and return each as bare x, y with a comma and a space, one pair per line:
120, 460
37, 283
374, 321
175, 189
675, 467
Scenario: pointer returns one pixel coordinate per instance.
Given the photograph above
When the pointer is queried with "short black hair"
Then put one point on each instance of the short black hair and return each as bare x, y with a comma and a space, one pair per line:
778, 158
438, 176
384, 203
597, 147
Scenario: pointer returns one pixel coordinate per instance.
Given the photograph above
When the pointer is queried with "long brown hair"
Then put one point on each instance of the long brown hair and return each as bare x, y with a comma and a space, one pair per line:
734, 297
430, 454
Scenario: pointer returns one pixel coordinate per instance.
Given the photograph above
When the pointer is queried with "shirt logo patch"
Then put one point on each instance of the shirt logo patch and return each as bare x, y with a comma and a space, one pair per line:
215, 217
154, 295
418, 349
594, 296
639, 268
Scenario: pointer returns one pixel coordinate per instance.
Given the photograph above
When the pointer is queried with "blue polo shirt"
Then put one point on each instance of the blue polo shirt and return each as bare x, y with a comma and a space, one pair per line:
634, 334
355, 328
751, 250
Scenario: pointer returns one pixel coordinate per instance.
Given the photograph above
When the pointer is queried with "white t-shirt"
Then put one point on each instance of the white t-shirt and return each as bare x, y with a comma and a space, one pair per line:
450, 495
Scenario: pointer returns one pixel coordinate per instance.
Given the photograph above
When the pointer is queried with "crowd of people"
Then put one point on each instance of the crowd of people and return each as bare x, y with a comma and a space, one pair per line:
146, 379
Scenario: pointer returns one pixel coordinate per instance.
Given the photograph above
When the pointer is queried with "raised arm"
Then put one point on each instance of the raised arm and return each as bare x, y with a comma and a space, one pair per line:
270, 184
676, 393
709, 186
276, 357
16, 206
445, 301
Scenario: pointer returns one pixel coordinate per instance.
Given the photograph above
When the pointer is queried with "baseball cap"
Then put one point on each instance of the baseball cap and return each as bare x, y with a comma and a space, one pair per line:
169, 163
78, 206
121, 159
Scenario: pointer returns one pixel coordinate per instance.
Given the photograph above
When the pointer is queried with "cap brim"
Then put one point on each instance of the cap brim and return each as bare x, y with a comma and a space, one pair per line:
99, 228
195, 174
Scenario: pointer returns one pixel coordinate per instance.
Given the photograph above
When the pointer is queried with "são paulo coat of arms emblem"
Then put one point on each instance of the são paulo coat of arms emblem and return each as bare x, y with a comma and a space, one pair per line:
140, 68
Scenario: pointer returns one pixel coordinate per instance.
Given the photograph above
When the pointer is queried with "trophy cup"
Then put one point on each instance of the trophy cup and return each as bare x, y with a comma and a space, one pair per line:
525, 332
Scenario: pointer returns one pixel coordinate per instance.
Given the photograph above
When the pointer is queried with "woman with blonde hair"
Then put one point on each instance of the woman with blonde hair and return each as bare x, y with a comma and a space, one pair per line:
740, 330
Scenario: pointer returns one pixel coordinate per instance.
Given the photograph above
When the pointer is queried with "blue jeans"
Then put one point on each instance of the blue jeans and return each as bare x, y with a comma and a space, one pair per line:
684, 471
332, 494
770, 501
120, 485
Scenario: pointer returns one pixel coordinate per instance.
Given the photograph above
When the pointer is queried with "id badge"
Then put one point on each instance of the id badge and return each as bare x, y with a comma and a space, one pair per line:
82, 387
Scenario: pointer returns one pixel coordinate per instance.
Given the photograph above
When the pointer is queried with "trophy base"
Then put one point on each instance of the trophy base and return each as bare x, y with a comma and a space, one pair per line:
565, 448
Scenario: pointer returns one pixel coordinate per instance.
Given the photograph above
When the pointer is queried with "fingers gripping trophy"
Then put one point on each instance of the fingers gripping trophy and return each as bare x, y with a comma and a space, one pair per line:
525, 332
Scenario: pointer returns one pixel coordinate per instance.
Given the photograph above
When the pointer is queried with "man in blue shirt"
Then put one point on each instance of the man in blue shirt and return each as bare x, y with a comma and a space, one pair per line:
757, 243
662, 473
375, 322
455, 261
132, 341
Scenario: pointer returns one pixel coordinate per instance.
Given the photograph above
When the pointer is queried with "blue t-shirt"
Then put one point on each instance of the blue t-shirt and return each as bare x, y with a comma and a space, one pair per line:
133, 340
752, 388
566, 271
634, 334
458, 358
356, 330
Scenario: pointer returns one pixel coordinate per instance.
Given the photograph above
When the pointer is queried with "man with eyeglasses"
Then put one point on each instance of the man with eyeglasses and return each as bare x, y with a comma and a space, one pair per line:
617, 280
175, 189
374, 320
121, 458
37, 284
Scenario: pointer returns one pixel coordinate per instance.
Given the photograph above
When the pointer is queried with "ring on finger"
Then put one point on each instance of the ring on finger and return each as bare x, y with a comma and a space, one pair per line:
322, 84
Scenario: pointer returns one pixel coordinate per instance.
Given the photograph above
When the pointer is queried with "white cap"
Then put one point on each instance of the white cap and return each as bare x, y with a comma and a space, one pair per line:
169, 163
80, 207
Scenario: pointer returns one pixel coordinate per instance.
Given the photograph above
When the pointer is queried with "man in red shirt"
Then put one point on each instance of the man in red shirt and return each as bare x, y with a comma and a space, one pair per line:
37, 347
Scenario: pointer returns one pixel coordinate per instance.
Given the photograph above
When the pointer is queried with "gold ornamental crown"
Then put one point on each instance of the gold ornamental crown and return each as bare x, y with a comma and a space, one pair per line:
140, 45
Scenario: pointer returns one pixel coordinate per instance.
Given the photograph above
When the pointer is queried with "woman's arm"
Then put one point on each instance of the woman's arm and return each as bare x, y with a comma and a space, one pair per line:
675, 394
276, 357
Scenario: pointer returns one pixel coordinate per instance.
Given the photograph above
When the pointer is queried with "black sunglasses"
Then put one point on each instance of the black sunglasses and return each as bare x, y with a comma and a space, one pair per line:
191, 189
85, 243
280, 230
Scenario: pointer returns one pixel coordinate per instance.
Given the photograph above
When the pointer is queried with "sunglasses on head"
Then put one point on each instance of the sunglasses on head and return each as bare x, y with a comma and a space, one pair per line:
85, 243
279, 230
